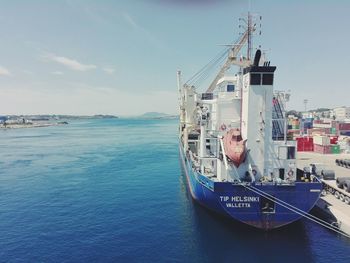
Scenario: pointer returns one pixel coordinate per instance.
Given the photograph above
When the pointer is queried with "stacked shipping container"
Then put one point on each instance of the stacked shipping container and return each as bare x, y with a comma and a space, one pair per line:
323, 149
305, 144
326, 144
344, 129
321, 136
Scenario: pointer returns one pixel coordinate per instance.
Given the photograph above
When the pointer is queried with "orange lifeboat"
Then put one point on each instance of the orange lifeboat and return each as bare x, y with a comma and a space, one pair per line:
234, 146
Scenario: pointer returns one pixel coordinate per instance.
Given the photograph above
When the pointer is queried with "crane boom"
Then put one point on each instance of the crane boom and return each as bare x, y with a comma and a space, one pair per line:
232, 57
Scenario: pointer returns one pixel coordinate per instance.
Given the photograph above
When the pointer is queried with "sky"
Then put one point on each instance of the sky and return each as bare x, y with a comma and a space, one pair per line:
88, 57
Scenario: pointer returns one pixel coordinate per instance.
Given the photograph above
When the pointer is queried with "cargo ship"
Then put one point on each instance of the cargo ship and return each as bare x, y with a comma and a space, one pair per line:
234, 146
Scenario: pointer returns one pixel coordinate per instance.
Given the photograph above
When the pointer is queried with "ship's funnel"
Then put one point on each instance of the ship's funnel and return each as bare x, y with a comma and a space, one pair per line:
257, 58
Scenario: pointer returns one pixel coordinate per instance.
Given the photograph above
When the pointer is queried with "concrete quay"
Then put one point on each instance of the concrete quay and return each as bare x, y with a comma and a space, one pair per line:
328, 160
332, 209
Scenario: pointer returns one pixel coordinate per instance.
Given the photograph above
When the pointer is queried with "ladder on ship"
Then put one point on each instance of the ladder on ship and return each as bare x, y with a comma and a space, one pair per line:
278, 121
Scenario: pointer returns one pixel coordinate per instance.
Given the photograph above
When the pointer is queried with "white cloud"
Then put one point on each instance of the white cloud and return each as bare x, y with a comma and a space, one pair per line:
70, 63
28, 72
4, 71
131, 21
57, 73
109, 70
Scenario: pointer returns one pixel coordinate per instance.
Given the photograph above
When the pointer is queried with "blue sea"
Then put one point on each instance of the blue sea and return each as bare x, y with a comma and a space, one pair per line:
113, 190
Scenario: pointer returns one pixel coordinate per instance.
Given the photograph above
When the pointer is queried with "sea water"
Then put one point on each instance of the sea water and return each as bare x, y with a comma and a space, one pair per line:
113, 190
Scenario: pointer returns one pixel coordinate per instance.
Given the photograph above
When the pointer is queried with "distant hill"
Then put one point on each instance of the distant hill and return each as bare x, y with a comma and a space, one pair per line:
153, 115
156, 115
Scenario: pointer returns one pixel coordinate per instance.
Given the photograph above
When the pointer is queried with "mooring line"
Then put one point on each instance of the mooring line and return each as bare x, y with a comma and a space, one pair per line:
295, 210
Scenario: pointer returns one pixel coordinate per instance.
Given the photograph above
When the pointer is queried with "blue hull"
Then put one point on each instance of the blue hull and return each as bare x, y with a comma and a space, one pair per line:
244, 205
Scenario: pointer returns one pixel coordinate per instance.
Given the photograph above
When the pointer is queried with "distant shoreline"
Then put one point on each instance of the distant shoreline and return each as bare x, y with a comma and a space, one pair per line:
31, 125
46, 120
170, 117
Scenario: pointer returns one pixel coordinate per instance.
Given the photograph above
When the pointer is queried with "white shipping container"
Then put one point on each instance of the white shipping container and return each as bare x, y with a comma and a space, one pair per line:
322, 140
322, 125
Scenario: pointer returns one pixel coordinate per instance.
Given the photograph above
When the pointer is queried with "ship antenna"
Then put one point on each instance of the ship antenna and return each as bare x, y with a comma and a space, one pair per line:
249, 49
250, 25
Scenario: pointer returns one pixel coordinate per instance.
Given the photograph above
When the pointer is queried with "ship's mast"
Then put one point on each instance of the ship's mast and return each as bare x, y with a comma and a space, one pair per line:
249, 25
250, 40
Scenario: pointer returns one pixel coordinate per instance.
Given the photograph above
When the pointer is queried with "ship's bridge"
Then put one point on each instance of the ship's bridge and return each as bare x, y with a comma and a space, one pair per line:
227, 84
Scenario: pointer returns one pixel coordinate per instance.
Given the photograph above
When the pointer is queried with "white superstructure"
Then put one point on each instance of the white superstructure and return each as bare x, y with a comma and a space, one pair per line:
246, 102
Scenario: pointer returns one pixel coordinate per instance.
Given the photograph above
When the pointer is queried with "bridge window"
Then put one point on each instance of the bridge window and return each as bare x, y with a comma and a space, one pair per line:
286, 152
267, 79
291, 152
255, 79
230, 88
207, 96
